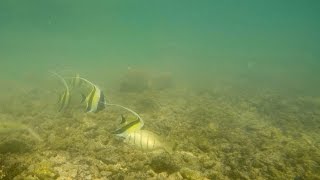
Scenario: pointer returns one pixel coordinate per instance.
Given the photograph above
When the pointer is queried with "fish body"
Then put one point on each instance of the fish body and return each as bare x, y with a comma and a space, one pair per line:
95, 101
146, 140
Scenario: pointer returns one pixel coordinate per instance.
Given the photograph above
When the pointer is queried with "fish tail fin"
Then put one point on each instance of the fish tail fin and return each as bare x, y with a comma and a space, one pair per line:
123, 119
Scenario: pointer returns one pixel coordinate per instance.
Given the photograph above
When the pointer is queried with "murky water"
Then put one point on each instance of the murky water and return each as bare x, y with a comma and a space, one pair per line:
225, 90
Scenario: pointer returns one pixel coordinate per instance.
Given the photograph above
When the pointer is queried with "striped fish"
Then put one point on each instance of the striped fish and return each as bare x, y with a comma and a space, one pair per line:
128, 127
95, 101
64, 99
147, 141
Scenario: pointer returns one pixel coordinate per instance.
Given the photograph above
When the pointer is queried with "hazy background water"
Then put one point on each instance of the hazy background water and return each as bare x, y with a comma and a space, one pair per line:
274, 43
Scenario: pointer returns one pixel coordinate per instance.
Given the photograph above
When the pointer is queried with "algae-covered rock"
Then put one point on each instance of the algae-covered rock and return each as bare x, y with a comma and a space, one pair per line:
2, 172
43, 170
14, 146
67, 170
175, 176
105, 173
164, 163
191, 174
10, 167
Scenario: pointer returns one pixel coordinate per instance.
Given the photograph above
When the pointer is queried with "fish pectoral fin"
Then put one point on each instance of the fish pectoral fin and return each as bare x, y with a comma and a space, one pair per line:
123, 119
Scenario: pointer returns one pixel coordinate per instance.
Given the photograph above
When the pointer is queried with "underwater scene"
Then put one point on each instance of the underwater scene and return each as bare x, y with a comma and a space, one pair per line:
196, 90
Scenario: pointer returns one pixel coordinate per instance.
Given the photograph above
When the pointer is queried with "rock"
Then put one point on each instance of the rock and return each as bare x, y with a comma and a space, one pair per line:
43, 170
67, 170
191, 174
105, 173
14, 146
175, 176
58, 159
151, 173
164, 163
162, 175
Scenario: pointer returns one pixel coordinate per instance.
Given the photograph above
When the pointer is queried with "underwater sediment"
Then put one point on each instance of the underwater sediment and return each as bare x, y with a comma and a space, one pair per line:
221, 133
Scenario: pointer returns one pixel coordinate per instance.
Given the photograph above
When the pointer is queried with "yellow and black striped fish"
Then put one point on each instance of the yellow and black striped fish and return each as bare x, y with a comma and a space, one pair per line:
95, 101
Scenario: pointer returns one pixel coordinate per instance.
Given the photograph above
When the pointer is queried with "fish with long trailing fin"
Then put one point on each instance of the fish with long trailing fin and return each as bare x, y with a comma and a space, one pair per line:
65, 97
95, 100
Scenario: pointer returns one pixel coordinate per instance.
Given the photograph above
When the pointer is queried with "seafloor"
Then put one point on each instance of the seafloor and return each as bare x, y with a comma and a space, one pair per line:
220, 132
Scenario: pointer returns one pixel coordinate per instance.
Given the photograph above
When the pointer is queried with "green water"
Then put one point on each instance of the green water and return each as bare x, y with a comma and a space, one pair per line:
260, 59
193, 37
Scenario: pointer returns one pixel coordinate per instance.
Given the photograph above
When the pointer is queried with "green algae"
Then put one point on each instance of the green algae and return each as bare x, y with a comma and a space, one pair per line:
43, 170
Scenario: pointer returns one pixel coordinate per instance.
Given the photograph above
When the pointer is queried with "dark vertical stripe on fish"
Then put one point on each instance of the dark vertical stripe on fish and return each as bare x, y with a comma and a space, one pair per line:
101, 102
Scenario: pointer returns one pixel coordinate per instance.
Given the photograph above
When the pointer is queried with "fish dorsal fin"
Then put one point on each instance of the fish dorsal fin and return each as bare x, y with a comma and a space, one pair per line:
62, 80
123, 119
